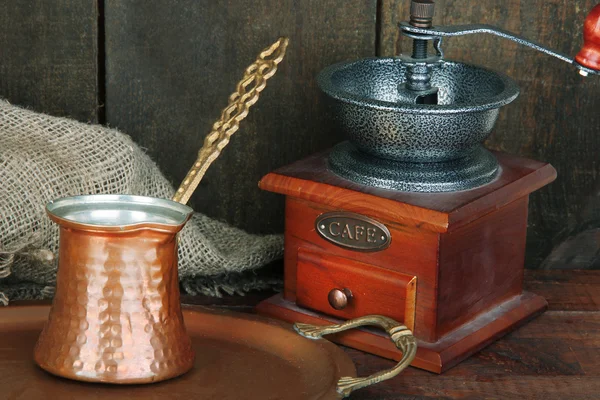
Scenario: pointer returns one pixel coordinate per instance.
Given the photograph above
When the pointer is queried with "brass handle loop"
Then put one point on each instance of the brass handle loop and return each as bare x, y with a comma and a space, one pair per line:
400, 335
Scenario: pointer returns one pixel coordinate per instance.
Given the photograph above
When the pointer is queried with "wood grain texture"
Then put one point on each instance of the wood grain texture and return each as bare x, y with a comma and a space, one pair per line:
554, 357
469, 282
319, 273
49, 56
481, 265
311, 180
469, 269
565, 290
554, 120
412, 252
171, 65
435, 357
467, 249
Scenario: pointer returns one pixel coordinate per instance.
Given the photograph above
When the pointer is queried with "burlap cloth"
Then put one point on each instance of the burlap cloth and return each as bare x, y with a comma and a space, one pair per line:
44, 158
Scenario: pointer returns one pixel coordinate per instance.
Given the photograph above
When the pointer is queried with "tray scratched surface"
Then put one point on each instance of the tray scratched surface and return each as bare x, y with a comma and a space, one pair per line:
238, 356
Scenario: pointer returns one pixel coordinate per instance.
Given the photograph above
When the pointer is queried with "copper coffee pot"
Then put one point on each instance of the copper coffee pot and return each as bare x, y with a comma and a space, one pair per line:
116, 316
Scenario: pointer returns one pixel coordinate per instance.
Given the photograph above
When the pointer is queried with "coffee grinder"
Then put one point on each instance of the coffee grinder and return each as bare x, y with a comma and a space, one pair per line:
412, 217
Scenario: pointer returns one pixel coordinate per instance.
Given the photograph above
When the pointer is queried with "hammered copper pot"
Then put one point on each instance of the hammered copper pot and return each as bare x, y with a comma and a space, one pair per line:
116, 315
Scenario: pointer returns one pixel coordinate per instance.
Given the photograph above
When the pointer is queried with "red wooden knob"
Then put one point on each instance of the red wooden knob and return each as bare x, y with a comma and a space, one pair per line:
589, 56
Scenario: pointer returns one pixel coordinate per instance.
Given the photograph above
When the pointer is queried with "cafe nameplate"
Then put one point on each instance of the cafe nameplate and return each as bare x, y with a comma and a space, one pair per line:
353, 231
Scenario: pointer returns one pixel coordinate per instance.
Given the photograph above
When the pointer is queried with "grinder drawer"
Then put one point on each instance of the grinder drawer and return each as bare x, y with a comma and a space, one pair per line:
349, 289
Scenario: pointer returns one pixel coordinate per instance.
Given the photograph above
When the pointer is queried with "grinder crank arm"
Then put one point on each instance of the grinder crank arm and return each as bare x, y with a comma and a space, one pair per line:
587, 60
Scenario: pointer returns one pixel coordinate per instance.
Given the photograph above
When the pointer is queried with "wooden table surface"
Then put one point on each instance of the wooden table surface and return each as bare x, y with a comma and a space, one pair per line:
555, 356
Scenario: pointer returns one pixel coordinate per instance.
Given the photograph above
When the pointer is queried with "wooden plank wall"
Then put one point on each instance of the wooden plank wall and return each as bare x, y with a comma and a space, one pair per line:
164, 70
172, 65
49, 56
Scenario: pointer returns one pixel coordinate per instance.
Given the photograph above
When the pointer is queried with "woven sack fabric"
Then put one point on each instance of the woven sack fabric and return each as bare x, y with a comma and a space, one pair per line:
44, 158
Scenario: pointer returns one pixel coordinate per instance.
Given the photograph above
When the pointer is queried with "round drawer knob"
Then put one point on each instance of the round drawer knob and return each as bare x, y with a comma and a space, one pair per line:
339, 298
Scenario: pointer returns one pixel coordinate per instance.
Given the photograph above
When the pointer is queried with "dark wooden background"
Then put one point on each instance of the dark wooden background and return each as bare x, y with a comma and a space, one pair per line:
161, 71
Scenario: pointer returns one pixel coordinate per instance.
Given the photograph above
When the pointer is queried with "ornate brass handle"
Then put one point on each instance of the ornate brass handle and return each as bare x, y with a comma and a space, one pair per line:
245, 95
400, 335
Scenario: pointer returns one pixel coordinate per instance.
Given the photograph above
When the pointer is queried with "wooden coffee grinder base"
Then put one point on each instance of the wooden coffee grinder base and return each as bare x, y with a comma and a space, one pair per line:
447, 265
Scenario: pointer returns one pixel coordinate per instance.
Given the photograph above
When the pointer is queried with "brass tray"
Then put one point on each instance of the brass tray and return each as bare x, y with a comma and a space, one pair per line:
238, 356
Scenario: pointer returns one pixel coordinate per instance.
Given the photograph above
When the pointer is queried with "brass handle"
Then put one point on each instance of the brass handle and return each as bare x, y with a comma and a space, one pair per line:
245, 95
339, 298
400, 335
